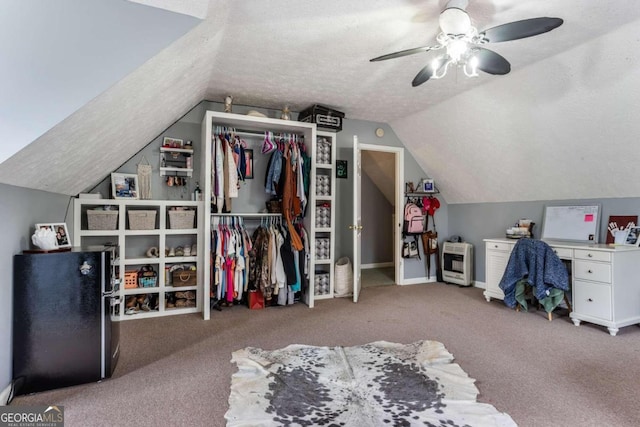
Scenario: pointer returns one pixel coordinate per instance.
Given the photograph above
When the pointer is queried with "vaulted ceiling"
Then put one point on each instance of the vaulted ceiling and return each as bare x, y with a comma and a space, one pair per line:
561, 125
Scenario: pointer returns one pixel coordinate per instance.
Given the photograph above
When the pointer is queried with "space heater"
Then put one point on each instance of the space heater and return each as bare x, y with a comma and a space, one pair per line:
457, 263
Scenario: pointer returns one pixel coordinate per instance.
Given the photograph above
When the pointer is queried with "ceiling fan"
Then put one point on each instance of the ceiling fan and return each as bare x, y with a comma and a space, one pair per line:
462, 43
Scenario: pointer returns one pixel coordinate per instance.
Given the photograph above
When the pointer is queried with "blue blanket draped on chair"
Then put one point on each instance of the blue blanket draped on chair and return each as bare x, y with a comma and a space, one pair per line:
537, 260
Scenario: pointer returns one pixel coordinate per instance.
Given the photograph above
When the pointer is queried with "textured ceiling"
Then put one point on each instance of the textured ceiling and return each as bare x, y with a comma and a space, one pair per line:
471, 135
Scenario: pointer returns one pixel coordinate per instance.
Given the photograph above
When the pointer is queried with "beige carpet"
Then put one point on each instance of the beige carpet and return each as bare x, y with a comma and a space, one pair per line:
177, 370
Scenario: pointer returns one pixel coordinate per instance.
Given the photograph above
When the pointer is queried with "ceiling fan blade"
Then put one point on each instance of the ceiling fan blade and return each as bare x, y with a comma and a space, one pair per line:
491, 62
426, 72
520, 29
402, 53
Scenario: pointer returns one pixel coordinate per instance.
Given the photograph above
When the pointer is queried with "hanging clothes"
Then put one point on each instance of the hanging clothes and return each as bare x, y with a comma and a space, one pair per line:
288, 194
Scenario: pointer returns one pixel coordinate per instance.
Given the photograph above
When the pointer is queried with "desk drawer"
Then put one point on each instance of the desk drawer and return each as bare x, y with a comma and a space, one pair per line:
592, 299
592, 255
499, 246
597, 271
563, 253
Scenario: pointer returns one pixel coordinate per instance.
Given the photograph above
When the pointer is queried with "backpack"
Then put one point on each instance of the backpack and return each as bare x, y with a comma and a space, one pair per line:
413, 219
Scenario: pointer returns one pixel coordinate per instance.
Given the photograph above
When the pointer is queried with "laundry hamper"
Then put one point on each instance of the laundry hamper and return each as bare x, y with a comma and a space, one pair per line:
343, 278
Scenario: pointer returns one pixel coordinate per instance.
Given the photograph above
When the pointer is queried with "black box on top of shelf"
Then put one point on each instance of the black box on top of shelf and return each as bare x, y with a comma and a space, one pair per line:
325, 117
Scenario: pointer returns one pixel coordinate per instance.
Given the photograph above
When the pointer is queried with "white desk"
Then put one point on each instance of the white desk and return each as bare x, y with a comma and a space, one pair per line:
605, 280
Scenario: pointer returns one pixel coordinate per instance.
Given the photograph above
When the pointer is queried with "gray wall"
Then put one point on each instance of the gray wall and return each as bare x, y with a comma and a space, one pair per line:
475, 222
20, 210
252, 194
365, 130
377, 236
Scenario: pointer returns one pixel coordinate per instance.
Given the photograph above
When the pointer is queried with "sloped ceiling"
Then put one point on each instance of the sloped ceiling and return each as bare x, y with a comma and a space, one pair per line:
380, 168
560, 125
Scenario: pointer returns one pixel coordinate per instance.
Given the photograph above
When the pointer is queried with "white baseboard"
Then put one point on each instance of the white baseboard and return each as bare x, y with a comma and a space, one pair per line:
376, 265
4, 395
418, 281
481, 285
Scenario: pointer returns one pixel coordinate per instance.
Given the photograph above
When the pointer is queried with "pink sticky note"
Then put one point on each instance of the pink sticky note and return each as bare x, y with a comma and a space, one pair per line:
588, 218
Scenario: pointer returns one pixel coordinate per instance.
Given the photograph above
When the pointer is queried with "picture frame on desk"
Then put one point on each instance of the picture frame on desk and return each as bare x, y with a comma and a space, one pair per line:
633, 236
62, 234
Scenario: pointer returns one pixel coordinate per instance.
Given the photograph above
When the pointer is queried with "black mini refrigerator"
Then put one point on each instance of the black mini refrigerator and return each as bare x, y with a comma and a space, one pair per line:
64, 331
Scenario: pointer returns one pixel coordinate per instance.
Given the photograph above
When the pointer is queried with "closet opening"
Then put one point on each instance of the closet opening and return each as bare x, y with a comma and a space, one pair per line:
379, 197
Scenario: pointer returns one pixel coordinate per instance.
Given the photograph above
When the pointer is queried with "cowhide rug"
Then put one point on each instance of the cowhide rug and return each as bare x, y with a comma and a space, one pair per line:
376, 384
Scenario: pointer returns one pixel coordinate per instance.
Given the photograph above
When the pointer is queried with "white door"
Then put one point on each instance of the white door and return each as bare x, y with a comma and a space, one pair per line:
356, 226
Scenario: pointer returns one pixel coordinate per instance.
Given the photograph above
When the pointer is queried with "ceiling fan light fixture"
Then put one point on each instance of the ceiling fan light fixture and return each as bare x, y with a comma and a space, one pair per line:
471, 66
465, 46
456, 49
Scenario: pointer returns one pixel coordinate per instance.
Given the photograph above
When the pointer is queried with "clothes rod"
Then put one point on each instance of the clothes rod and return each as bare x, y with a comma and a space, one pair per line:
261, 133
247, 215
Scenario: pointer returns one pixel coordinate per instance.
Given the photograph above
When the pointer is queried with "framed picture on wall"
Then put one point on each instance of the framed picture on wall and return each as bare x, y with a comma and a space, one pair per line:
62, 235
341, 169
124, 185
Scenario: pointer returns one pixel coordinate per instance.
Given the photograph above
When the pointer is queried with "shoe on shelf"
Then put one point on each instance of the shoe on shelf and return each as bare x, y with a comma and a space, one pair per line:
187, 251
194, 250
181, 295
131, 302
172, 252
131, 310
189, 295
152, 252
179, 251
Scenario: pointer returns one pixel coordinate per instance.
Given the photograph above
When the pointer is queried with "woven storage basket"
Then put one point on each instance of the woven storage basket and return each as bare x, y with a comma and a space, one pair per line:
142, 220
184, 278
344, 278
181, 219
102, 220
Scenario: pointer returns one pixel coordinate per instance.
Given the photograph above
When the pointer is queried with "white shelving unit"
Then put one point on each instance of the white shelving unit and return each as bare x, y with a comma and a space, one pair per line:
134, 244
252, 125
322, 232
173, 161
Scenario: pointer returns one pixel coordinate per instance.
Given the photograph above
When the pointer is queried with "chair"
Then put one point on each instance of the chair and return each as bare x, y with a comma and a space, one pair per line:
534, 266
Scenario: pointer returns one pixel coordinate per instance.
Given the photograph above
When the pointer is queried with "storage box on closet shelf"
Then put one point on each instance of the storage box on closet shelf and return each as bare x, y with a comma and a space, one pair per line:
323, 216
321, 284
102, 218
323, 248
181, 218
323, 185
323, 151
